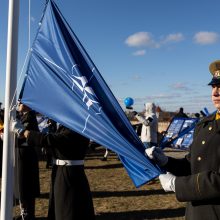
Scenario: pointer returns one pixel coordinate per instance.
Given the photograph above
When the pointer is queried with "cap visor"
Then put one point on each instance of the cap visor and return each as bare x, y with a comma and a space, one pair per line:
214, 81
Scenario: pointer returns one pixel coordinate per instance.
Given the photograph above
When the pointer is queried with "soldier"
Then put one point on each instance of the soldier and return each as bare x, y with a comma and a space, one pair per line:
70, 196
196, 178
27, 186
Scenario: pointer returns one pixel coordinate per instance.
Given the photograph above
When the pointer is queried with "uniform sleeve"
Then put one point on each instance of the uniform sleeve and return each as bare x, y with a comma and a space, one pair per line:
47, 140
144, 121
198, 187
30, 122
179, 167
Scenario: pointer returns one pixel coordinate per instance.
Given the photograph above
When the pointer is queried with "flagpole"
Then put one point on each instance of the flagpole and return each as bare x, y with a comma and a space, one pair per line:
10, 87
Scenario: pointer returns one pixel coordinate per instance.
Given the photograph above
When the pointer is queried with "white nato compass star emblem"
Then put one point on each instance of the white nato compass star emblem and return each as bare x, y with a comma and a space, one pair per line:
81, 83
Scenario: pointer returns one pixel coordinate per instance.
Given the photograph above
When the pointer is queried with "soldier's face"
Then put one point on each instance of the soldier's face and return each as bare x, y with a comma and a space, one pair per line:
216, 96
22, 108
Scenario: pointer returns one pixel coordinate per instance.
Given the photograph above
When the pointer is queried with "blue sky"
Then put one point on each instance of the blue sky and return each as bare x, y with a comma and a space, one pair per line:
151, 50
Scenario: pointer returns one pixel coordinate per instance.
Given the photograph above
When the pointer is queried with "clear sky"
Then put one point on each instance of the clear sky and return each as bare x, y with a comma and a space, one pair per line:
151, 50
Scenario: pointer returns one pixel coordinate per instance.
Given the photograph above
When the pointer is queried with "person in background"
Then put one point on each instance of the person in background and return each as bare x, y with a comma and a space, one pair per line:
181, 114
197, 115
105, 157
70, 195
149, 125
27, 185
195, 179
129, 112
50, 127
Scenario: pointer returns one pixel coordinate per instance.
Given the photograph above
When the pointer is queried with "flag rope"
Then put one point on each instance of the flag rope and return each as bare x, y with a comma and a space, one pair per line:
11, 108
19, 79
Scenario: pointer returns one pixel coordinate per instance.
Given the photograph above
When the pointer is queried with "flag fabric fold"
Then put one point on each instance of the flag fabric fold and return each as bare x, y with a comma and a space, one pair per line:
63, 84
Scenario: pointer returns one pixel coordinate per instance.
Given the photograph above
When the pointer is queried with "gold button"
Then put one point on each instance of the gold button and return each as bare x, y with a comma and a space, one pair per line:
210, 128
199, 158
203, 142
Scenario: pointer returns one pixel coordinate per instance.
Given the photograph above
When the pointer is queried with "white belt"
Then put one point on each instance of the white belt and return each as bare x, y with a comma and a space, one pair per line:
68, 162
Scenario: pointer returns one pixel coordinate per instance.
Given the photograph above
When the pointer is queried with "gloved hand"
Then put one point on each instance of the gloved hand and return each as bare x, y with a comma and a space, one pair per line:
17, 127
167, 181
157, 154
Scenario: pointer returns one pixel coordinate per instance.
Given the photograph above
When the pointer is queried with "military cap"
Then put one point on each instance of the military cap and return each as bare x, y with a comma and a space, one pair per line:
214, 69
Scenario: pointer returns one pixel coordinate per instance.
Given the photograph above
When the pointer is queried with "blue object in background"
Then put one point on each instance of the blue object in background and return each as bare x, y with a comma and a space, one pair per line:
179, 133
206, 111
63, 84
128, 102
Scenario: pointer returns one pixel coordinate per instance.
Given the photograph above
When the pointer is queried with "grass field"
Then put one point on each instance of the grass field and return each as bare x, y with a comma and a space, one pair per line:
114, 195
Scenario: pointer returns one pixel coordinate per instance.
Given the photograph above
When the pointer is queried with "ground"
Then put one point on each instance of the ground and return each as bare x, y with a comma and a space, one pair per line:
114, 195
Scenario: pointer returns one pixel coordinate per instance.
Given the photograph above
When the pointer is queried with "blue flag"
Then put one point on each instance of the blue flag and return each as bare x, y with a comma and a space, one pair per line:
63, 83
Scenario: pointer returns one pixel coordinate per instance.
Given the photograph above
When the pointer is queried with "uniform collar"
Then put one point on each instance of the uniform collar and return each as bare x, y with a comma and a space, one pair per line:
211, 118
217, 116
207, 119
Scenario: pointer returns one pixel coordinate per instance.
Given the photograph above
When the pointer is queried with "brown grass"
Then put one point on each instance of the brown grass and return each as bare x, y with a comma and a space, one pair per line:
114, 195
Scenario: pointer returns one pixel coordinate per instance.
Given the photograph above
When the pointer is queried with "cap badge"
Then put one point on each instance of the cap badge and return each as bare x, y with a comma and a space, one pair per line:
217, 74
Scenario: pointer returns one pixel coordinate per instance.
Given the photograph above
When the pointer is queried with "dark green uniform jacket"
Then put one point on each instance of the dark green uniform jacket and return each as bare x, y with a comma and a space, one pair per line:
198, 174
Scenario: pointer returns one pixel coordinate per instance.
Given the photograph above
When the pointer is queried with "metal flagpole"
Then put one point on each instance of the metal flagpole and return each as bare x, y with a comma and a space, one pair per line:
8, 139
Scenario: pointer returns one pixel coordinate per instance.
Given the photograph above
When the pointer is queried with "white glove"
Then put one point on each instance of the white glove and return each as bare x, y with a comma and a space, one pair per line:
157, 154
17, 127
167, 181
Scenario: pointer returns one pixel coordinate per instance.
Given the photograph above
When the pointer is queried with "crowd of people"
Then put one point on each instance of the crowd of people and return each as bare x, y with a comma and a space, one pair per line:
195, 179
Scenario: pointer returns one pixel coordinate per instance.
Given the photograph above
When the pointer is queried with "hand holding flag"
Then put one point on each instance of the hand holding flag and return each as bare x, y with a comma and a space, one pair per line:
157, 154
17, 127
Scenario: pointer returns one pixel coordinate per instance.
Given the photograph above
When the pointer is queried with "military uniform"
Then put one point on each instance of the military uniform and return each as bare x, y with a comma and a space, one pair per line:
197, 180
70, 196
198, 175
27, 185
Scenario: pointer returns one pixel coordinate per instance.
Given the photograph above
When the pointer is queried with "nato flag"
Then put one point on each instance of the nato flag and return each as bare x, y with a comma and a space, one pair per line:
63, 83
